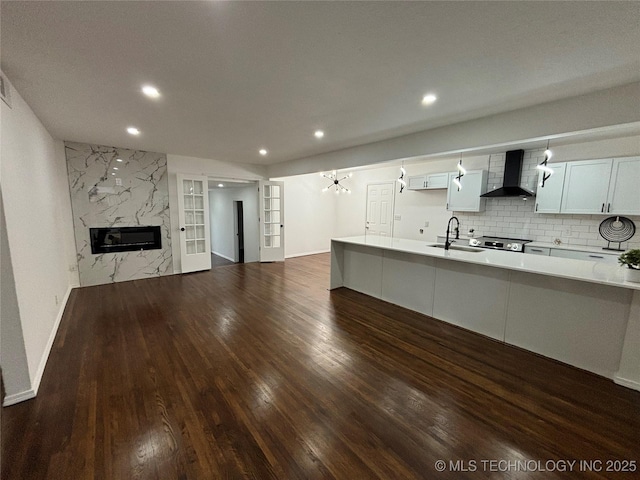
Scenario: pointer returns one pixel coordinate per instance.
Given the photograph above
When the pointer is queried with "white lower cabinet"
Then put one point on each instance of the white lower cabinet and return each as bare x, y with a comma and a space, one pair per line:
537, 250
590, 256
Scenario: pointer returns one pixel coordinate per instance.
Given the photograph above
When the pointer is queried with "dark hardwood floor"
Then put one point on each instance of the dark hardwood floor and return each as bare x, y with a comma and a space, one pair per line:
257, 371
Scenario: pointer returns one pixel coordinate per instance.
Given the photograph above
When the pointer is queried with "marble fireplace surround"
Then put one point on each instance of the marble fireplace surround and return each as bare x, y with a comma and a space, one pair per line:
137, 195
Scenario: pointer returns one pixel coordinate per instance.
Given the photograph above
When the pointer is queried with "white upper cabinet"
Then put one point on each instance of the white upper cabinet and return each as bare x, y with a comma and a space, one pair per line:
624, 191
549, 197
437, 180
586, 185
606, 186
428, 182
467, 199
417, 182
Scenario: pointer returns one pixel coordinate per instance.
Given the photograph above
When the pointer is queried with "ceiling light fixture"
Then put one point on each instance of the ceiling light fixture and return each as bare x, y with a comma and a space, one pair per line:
401, 179
115, 168
319, 134
335, 182
151, 92
544, 168
221, 185
461, 173
118, 159
263, 152
133, 131
429, 99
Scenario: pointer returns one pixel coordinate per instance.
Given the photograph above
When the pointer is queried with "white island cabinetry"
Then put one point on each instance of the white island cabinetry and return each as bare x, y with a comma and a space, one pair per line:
581, 313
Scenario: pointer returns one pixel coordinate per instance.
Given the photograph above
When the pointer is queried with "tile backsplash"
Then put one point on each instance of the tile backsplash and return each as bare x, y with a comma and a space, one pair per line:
514, 217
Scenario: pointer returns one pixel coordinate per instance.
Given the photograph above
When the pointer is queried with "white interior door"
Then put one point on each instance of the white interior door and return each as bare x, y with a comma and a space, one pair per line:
380, 198
193, 215
271, 221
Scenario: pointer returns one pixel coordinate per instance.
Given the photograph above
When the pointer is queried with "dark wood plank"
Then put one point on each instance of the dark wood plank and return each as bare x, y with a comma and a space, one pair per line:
258, 371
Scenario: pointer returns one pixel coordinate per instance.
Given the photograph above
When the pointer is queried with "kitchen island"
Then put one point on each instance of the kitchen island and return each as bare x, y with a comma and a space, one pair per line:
578, 312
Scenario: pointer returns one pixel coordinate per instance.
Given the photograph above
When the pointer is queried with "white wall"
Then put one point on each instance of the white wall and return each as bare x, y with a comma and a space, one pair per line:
39, 229
207, 167
312, 218
222, 211
13, 356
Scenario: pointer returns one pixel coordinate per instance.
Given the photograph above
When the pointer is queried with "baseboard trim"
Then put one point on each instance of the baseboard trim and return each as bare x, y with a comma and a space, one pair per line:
223, 256
306, 253
18, 397
625, 382
35, 384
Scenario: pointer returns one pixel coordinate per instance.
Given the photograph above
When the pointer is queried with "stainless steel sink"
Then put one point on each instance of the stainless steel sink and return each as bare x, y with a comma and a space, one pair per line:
457, 247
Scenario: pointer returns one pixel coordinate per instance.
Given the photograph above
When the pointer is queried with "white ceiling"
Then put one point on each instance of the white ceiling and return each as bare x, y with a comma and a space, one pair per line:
239, 76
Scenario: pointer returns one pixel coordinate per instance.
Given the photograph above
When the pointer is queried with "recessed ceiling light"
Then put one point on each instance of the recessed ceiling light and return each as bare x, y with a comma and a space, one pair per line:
429, 99
151, 92
115, 168
263, 152
319, 133
133, 130
220, 185
112, 173
118, 159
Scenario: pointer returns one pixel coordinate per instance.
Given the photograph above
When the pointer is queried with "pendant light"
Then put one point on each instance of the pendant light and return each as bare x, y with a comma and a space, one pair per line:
544, 168
461, 173
401, 179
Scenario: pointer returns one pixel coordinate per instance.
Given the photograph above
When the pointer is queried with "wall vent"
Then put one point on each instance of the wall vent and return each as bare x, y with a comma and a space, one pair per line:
5, 90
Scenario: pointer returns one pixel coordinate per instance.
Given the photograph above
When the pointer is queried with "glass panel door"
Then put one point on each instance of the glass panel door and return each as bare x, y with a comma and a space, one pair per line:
271, 221
194, 223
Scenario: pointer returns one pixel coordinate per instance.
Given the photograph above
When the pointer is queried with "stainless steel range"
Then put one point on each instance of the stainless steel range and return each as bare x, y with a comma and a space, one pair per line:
499, 243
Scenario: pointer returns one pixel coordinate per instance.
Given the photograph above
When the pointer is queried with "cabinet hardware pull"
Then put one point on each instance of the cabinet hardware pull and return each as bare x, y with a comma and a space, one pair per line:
536, 207
535, 250
596, 256
608, 207
602, 209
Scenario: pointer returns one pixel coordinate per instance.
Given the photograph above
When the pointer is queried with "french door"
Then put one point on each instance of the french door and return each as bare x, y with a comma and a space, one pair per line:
271, 221
193, 215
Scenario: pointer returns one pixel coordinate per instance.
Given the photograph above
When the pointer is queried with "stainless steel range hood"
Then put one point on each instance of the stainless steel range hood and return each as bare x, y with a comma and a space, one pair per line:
511, 181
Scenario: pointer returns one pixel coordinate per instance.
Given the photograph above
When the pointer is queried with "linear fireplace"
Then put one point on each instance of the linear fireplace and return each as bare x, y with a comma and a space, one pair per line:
124, 239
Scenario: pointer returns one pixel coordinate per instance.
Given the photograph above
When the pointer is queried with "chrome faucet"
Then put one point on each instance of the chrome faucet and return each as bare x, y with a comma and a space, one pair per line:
447, 243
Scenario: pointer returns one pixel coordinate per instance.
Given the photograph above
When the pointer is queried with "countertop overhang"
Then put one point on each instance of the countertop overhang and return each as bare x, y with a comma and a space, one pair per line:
582, 270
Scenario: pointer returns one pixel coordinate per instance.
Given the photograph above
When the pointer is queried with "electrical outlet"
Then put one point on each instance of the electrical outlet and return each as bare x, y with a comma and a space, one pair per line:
397, 217
426, 224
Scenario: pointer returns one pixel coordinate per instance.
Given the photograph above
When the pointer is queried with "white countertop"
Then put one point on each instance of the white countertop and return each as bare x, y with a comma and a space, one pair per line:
594, 272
